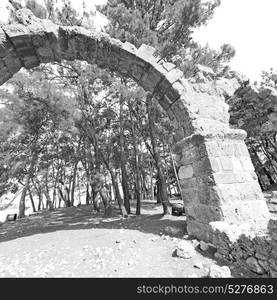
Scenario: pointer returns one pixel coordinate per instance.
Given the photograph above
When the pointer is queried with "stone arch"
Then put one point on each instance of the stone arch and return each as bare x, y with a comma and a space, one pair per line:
216, 174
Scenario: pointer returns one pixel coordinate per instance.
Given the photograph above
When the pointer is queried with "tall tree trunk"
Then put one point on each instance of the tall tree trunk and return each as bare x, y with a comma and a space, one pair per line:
54, 197
106, 201
125, 185
62, 196
94, 193
75, 173
38, 190
31, 199
73, 183
137, 170
151, 182
21, 212
117, 194
79, 189
87, 195
60, 200
49, 202
256, 158
157, 157
94, 170
176, 174
63, 193
143, 180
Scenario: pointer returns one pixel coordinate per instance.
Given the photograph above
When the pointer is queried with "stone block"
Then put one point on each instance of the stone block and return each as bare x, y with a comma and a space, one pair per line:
219, 272
238, 192
52, 35
199, 230
174, 75
182, 90
190, 155
181, 114
162, 87
42, 43
226, 233
246, 163
273, 264
254, 265
204, 125
168, 66
273, 273
227, 148
226, 163
18, 34
188, 183
231, 177
204, 213
263, 250
165, 103
223, 148
272, 227
241, 149
130, 47
264, 264
185, 172
178, 134
214, 112
12, 62
196, 193
150, 79
21, 40
171, 114
254, 212
261, 257
185, 250
219, 256
5, 75
45, 54
212, 149
174, 94
237, 165
190, 196
147, 53
5, 45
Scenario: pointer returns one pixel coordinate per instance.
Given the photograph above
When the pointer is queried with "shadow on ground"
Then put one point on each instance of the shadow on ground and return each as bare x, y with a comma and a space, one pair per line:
83, 217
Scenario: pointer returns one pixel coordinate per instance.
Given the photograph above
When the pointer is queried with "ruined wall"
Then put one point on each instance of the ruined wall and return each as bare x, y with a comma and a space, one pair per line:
255, 251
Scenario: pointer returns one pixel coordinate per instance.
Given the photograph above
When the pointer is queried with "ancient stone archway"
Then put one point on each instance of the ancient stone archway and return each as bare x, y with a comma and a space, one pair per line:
216, 174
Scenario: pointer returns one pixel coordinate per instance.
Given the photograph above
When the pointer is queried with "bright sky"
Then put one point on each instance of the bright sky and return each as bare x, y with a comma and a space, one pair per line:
248, 25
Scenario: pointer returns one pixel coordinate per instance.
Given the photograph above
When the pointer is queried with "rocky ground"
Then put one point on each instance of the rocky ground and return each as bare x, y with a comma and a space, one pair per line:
76, 242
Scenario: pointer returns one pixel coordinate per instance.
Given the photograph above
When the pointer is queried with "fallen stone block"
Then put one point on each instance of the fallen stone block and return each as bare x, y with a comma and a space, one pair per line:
185, 250
207, 247
219, 272
254, 266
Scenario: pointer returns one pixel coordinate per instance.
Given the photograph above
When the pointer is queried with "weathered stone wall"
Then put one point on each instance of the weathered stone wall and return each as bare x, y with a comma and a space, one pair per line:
216, 174
255, 251
219, 181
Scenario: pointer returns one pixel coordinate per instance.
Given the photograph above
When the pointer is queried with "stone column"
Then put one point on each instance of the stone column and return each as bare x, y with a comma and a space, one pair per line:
219, 183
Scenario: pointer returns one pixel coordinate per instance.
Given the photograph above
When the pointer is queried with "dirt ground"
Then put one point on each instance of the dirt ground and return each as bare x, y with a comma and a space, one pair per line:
77, 242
